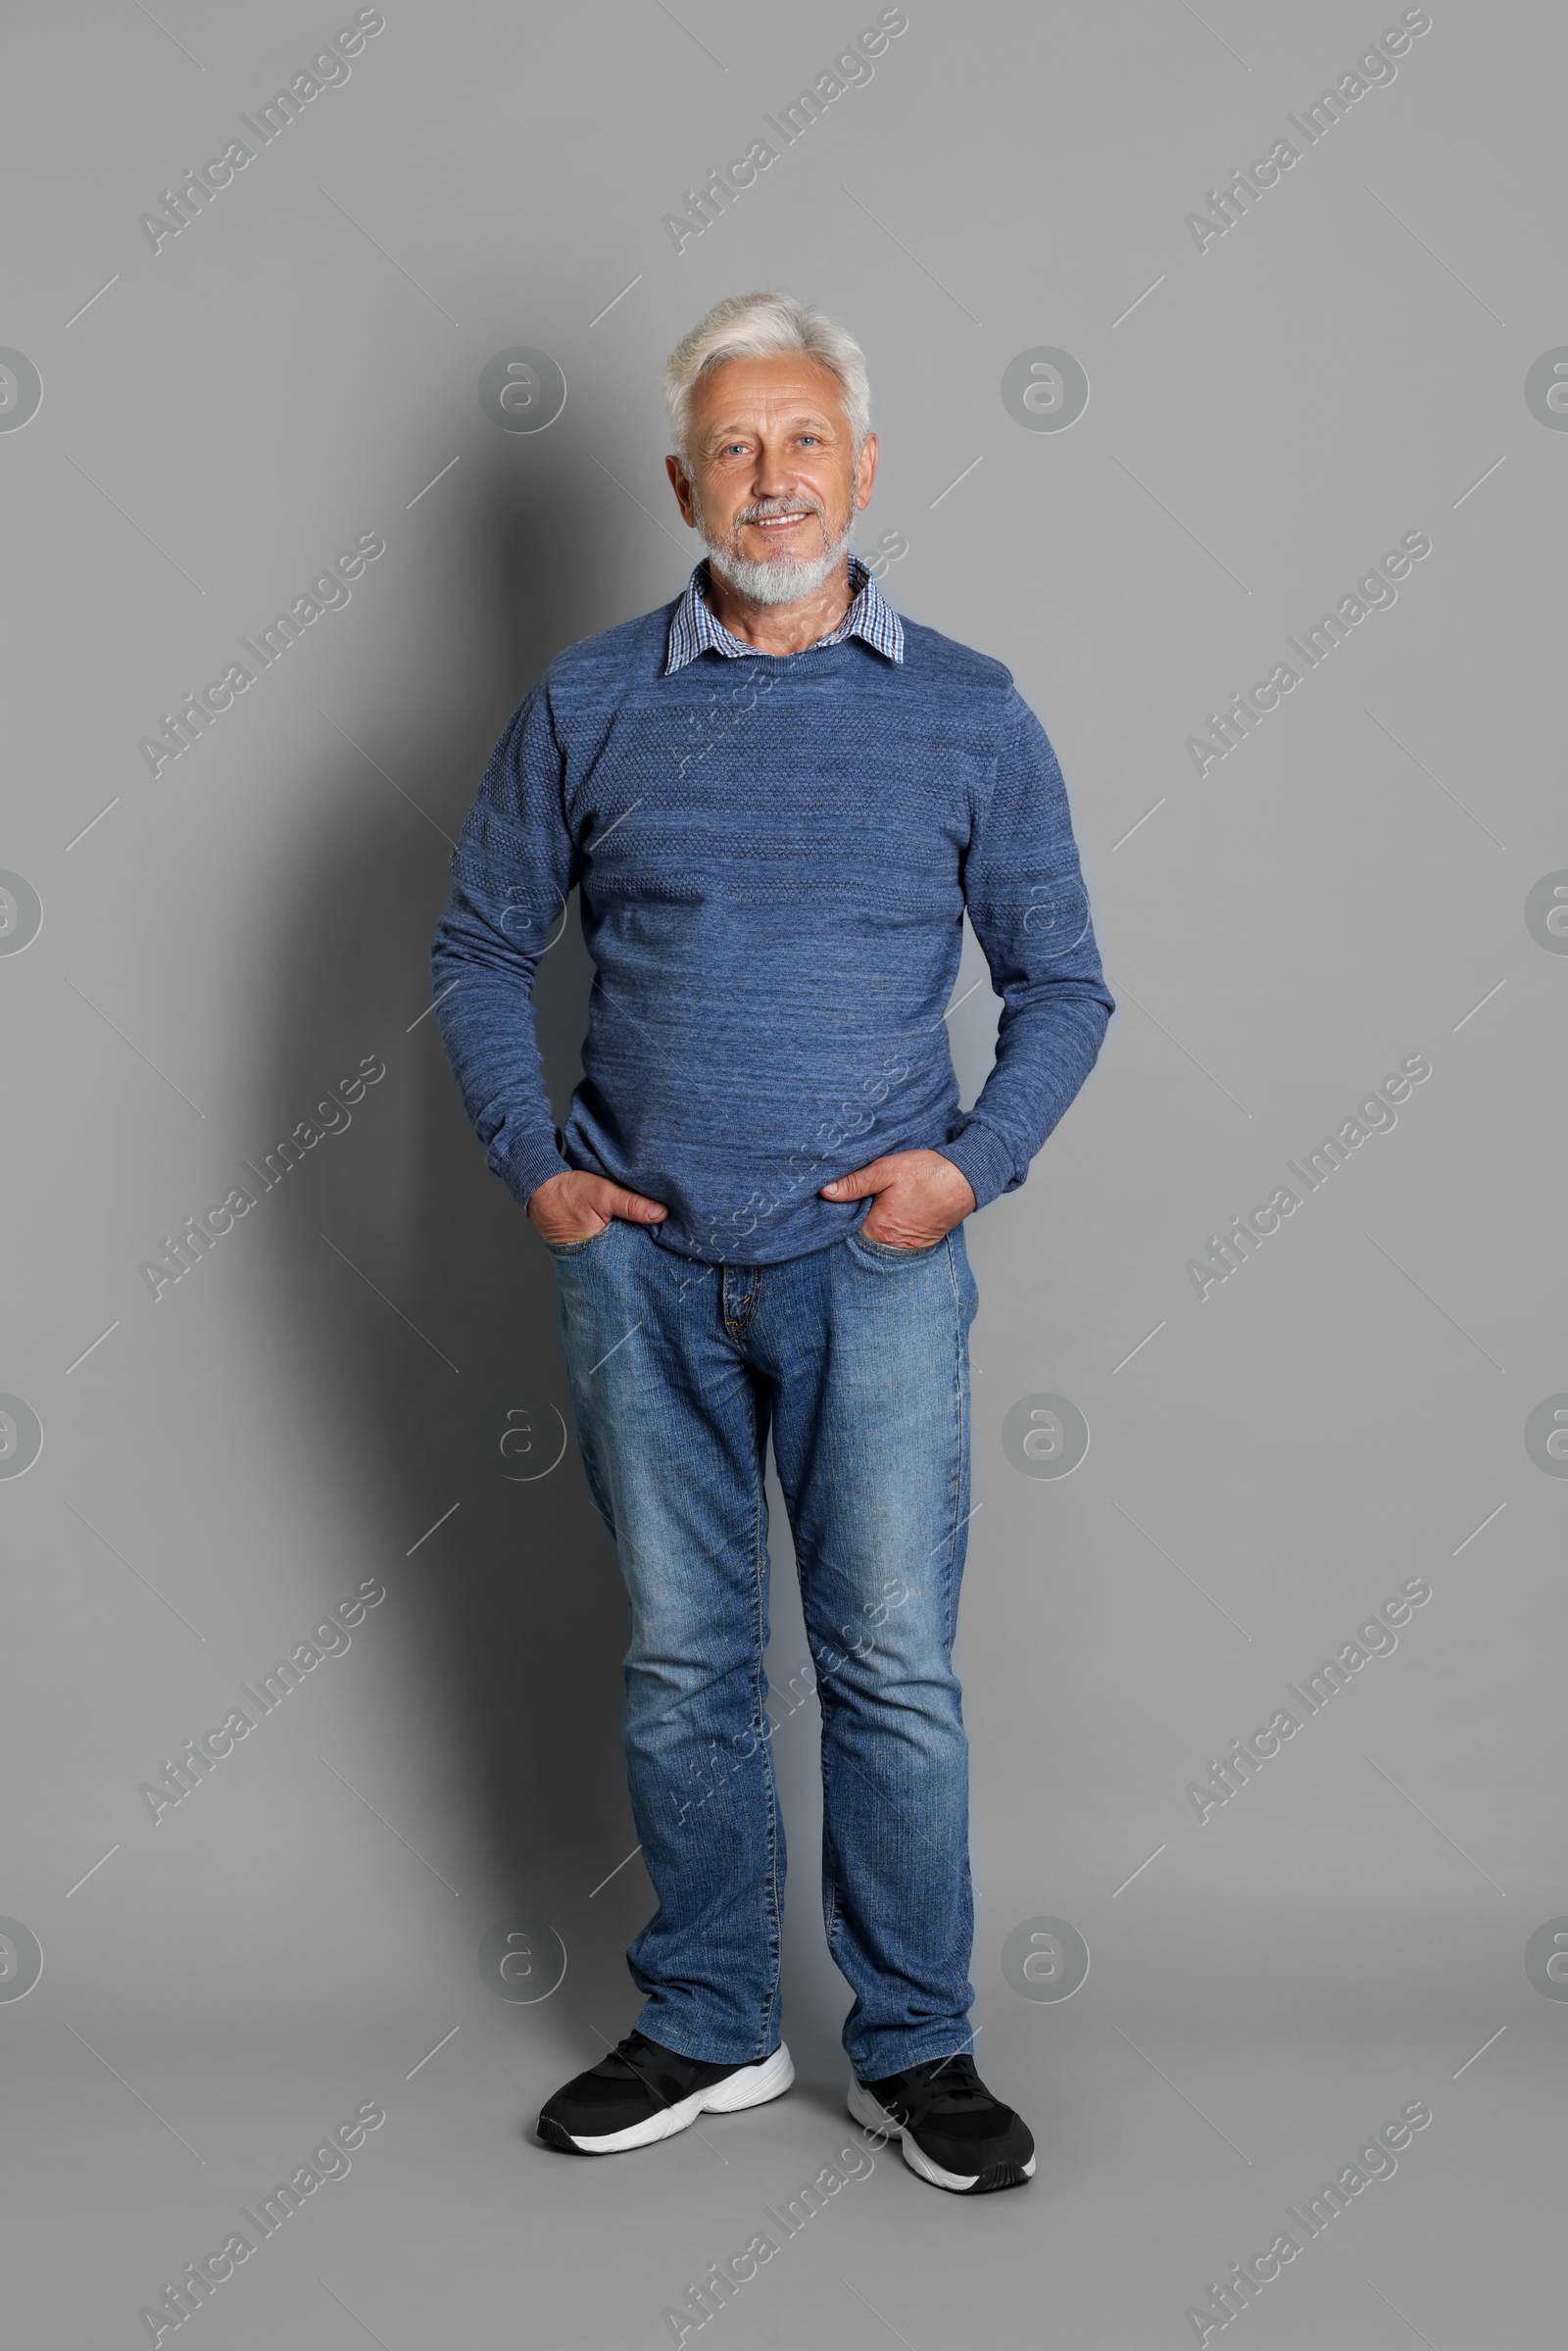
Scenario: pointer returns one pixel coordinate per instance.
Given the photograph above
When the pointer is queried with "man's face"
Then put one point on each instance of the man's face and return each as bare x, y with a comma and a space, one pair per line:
773, 484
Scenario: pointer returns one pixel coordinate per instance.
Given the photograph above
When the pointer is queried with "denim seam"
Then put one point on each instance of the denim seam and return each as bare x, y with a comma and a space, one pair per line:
960, 1449
832, 1915
961, 1456
770, 1788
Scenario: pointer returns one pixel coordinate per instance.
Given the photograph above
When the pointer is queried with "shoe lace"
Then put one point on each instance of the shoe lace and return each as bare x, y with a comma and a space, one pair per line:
636, 2059
950, 2083
628, 2056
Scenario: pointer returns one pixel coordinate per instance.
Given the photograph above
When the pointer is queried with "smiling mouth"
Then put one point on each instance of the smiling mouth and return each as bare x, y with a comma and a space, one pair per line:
773, 522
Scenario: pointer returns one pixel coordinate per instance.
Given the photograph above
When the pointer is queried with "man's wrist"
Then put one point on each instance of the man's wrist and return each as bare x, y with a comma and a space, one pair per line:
527, 1205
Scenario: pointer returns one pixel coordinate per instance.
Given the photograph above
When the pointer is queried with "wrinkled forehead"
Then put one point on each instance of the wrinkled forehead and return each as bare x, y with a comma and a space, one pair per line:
788, 391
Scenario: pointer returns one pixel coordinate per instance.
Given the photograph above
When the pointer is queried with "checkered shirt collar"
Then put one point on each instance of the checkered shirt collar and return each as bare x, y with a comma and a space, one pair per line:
695, 629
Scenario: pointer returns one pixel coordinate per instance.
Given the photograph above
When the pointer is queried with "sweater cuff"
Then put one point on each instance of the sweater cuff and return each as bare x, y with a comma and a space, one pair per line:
983, 1158
522, 1171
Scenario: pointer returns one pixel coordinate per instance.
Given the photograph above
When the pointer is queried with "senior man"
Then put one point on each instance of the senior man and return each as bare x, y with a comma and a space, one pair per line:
776, 798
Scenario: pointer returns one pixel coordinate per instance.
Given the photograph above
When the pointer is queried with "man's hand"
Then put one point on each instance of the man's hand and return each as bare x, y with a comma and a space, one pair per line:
920, 1197
575, 1205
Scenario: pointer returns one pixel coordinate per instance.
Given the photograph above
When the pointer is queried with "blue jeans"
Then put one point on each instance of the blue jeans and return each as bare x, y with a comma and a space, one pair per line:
857, 1357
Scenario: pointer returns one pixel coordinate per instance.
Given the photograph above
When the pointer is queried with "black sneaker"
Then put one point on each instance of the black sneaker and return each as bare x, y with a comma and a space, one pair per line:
955, 2133
643, 2091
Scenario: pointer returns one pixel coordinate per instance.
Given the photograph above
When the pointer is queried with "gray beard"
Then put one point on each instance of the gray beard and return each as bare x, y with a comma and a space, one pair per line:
784, 578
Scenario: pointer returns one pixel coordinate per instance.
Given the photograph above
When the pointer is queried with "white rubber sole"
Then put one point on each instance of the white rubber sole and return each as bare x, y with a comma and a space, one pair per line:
748, 2086
871, 2116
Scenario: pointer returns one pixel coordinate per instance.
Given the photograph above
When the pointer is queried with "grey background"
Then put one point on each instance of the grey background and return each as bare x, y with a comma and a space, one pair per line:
227, 940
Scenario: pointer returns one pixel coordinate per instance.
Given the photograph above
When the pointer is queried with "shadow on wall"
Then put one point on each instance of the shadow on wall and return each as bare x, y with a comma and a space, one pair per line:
517, 1603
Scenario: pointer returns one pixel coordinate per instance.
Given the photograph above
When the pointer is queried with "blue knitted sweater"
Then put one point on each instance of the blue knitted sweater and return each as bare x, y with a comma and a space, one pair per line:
773, 858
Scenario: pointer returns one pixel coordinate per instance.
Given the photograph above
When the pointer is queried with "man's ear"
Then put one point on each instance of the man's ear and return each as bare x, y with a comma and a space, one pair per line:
681, 486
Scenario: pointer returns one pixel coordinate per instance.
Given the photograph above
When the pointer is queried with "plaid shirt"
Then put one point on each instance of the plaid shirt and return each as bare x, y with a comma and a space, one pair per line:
695, 628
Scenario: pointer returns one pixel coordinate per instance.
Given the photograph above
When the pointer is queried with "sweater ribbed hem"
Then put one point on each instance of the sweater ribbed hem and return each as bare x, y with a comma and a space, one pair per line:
524, 1171
983, 1158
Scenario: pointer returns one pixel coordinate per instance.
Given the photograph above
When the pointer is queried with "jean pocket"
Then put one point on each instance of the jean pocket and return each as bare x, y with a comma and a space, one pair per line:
887, 1252
574, 1248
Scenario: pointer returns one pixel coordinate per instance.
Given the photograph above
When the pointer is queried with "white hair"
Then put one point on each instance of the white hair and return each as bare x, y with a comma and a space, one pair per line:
755, 327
